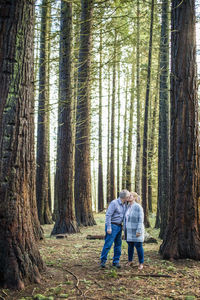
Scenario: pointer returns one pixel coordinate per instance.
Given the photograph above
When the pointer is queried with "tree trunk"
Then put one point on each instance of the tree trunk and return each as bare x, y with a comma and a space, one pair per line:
100, 169
145, 135
182, 236
20, 259
66, 221
130, 134
125, 137
163, 141
83, 198
108, 142
112, 147
138, 143
152, 142
42, 172
118, 129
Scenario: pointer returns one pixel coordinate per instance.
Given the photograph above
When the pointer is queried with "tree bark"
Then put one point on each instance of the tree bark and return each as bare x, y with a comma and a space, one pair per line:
138, 143
20, 260
83, 199
130, 134
163, 141
118, 127
112, 147
108, 142
182, 236
125, 137
42, 171
145, 135
100, 167
152, 141
66, 220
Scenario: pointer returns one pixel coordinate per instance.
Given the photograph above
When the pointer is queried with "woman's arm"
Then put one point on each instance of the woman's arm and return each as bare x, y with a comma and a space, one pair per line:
140, 221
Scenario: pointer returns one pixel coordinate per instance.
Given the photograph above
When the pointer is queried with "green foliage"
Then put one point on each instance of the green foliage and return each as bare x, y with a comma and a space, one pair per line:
112, 273
171, 269
63, 296
42, 297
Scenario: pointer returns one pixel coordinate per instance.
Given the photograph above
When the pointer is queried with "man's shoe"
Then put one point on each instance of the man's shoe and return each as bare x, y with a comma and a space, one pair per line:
103, 265
116, 265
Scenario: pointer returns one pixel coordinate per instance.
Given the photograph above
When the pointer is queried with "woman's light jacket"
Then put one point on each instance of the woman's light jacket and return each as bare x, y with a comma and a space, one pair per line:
134, 223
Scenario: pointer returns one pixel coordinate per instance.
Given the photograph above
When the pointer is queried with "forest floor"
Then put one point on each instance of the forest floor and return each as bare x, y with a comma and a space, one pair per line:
73, 272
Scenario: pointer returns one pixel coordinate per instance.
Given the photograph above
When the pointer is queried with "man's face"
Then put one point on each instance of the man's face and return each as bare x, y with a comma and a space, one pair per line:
127, 199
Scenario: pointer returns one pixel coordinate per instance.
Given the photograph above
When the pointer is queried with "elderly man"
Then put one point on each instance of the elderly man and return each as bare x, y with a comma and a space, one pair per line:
114, 218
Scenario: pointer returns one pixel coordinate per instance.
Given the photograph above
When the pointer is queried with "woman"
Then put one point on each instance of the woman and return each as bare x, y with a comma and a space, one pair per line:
134, 229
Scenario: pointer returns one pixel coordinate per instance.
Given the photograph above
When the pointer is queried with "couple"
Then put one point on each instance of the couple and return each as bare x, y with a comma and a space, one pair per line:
128, 211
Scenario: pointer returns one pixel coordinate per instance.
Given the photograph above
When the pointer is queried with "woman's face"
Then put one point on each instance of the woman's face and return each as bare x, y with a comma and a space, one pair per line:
131, 198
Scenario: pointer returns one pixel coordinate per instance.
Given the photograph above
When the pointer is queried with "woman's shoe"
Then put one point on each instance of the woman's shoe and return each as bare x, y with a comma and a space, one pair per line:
140, 267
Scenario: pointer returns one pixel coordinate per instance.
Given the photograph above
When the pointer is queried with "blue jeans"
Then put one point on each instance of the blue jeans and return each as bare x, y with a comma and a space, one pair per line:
140, 251
116, 238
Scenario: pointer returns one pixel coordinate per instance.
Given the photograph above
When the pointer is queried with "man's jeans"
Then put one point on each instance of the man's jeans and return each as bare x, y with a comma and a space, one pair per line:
116, 237
140, 251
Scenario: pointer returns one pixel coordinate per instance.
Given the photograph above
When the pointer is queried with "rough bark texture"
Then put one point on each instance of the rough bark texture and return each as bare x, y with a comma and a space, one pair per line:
20, 260
182, 237
118, 127
42, 172
108, 142
163, 141
152, 142
112, 146
125, 138
100, 169
130, 133
83, 198
145, 135
66, 220
138, 144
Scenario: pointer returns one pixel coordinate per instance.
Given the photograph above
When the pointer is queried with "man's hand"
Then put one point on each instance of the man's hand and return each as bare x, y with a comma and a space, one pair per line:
109, 231
138, 234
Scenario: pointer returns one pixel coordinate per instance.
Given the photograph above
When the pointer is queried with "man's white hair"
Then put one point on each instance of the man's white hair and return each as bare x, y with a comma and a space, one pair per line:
123, 194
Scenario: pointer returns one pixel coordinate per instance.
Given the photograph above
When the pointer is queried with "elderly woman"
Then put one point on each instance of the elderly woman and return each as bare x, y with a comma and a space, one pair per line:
134, 229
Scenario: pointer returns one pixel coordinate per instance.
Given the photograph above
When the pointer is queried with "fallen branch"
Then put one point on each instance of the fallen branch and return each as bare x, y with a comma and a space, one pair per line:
151, 275
77, 280
102, 237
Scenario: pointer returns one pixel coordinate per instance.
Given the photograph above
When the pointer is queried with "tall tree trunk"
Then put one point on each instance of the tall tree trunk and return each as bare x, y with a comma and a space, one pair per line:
100, 169
145, 135
66, 220
108, 142
163, 141
138, 143
182, 236
20, 259
130, 133
152, 142
42, 172
83, 197
118, 130
112, 147
48, 118
125, 136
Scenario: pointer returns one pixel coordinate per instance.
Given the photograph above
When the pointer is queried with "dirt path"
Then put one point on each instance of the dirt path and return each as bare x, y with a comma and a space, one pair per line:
73, 272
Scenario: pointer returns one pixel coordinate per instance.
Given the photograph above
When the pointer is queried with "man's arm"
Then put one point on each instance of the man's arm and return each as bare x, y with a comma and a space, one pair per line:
109, 213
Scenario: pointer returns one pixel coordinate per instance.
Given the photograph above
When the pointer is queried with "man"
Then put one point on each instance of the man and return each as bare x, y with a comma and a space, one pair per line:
114, 218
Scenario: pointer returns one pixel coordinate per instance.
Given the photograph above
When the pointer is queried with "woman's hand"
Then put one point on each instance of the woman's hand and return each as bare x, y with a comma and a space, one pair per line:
109, 231
138, 234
